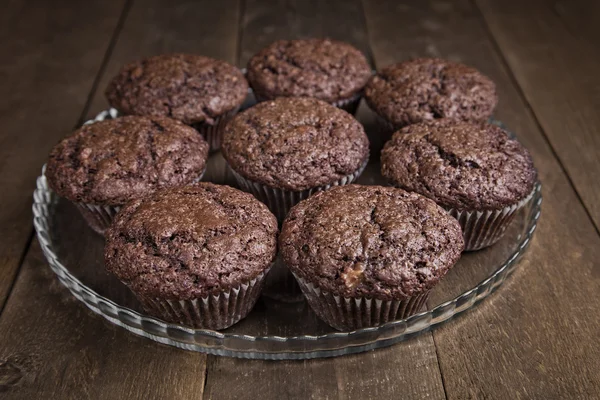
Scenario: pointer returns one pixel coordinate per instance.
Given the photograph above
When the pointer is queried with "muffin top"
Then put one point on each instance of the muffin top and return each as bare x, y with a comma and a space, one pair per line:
191, 241
186, 87
429, 88
322, 68
295, 143
370, 241
113, 161
459, 165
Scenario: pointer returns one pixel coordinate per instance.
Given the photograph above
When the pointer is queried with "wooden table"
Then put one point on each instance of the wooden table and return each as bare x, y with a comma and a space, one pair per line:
536, 338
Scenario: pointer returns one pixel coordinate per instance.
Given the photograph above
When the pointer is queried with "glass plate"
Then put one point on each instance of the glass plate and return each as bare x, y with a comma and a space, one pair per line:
273, 330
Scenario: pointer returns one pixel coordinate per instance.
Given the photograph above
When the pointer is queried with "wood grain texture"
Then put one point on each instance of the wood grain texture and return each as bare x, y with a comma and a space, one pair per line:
535, 338
552, 49
42, 96
379, 374
51, 346
579, 16
266, 21
383, 373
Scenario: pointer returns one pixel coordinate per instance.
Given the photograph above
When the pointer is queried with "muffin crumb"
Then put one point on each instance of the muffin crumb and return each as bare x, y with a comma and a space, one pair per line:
460, 165
425, 89
321, 68
295, 143
186, 87
370, 241
191, 241
113, 161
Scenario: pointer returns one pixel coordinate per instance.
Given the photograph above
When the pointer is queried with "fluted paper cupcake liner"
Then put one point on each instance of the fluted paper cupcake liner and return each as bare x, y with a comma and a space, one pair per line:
281, 285
215, 312
97, 217
344, 313
349, 105
213, 133
380, 135
280, 201
484, 228
100, 217
217, 170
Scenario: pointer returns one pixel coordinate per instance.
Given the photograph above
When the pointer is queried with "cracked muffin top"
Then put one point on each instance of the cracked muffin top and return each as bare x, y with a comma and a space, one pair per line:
370, 241
295, 143
321, 68
111, 162
429, 88
191, 241
186, 87
459, 165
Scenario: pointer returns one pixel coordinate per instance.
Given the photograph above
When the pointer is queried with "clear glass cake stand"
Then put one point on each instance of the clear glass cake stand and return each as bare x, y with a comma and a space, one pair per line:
273, 330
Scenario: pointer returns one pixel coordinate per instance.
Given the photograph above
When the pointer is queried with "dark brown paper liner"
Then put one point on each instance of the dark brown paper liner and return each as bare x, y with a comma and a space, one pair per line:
281, 285
349, 105
97, 217
484, 228
380, 135
344, 313
280, 201
213, 133
217, 170
212, 312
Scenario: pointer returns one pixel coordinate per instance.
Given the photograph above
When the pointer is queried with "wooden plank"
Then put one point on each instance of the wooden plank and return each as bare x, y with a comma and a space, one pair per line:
51, 346
536, 338
54, 348
579, 16
400, 372
383, 373
42, 95
552, 49
264, 22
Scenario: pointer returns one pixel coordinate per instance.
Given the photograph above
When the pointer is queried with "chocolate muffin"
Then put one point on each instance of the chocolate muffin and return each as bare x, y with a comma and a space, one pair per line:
474, 170
195, 255
325, 69
284, 150
196, 90
425, 89
366, 255
103, 165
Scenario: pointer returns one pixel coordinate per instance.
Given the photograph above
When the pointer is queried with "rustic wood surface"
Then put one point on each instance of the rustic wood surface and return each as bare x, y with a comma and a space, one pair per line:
535, 338
499, 352
42, 96
554, 56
